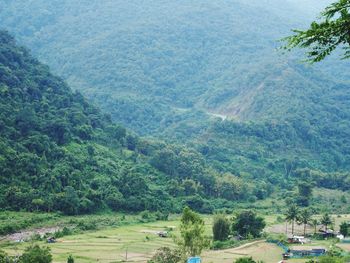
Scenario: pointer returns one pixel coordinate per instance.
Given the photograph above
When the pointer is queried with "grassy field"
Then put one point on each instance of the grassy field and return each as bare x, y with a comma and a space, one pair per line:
135, 242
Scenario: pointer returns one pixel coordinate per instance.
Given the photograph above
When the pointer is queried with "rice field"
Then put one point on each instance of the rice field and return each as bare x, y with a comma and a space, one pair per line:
137, 243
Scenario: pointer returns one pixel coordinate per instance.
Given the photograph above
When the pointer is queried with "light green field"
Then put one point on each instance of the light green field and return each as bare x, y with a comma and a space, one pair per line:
137, 242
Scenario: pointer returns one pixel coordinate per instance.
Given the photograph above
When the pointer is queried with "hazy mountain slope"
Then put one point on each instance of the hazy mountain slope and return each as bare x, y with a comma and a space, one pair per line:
57, 151
167, 68
153, 57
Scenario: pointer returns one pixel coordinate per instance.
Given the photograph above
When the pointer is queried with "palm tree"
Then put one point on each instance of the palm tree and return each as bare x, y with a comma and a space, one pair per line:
291, 215
314, 224
304, 218
326, 220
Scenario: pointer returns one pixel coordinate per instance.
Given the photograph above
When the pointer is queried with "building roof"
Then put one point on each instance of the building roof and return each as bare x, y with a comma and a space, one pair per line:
306, 248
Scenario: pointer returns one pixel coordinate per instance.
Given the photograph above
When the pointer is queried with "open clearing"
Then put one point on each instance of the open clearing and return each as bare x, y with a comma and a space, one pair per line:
137, 243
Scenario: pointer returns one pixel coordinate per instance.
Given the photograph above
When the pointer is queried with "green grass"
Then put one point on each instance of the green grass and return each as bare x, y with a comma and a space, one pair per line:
137, 240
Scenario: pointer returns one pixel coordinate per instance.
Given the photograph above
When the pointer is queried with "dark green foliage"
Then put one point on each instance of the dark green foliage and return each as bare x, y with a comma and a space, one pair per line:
248, 223
281, 116
36, 254
344, 229
221, 228
304, 218
292, 214
59, 153
305, 193
4, 258
70, 259
327, 259
326, 220
245, 260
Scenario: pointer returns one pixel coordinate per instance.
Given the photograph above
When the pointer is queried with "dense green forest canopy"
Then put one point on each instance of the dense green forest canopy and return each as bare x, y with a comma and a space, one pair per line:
205, 74
158, 63
168, 69
60, 153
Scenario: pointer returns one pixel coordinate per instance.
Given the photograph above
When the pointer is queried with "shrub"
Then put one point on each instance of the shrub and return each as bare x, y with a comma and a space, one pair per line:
85, 226
245, 260
64, 232
221, 228
4, 258
70, 259
166, 255
36, 254
217, 245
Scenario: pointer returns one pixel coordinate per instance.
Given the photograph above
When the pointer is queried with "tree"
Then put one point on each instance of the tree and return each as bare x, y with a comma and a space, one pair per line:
324, 36
245, 260
304, 218
69, 201
305, 193
4, 258
70, 259
314, 224
326, 220
38, 203
292, 215
192, 240
344, 229
166, 255
248, 223
221, 228
36, 254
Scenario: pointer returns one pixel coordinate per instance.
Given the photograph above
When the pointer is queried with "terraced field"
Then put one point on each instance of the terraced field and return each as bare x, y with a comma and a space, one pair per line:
138, 241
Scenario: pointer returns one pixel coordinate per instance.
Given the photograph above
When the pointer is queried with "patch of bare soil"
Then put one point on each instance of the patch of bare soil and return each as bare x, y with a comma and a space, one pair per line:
287, 229
26, 234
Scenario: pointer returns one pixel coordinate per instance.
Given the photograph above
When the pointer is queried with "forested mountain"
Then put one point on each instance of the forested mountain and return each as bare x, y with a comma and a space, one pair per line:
204, 73
57, 152
149, 64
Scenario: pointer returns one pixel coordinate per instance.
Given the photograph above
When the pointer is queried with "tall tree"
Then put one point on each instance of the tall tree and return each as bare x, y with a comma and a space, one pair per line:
292, 215
326, 220
344, 229
305, 193
248, 223
304, 218
314, 224
192, 240
221, 228
325, 35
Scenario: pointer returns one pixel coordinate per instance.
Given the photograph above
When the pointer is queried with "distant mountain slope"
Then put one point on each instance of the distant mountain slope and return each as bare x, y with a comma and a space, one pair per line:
167, 68
58, 152
140, 62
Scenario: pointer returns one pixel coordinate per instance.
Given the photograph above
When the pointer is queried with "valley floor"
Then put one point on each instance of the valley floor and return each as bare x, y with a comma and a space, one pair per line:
137, 242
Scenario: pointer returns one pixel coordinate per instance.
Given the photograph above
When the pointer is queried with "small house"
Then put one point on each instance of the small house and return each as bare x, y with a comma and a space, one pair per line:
329, 233
298, 240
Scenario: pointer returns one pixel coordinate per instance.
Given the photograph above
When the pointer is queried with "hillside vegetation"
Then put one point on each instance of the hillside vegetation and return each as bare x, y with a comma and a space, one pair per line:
60, 153
201, 74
